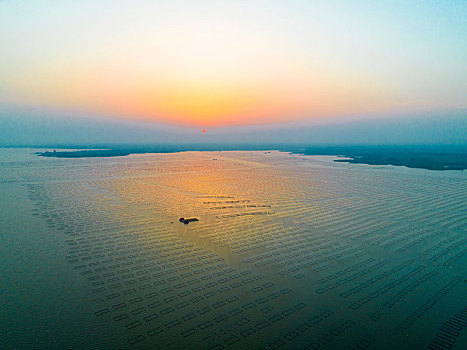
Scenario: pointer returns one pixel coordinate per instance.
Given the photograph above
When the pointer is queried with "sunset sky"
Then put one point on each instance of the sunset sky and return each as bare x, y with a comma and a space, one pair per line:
223, 63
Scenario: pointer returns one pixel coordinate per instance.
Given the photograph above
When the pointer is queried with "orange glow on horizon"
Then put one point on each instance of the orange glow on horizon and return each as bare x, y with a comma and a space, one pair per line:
213, 103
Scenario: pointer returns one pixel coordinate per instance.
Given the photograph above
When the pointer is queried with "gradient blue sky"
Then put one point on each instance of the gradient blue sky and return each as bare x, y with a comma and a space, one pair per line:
211, 64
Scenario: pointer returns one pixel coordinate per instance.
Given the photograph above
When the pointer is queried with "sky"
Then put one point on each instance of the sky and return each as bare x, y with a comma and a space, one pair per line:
220, 64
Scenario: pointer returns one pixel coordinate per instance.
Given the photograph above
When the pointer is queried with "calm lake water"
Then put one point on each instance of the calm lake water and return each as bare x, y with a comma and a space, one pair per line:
289, 252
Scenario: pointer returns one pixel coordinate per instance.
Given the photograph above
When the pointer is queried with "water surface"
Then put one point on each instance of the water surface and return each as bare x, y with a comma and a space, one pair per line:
290, 252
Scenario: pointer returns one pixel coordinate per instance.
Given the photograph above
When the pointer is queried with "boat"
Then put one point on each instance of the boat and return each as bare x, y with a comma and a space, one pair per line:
187, 221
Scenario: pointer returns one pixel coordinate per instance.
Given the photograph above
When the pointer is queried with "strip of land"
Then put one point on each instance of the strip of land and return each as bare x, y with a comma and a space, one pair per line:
422, 157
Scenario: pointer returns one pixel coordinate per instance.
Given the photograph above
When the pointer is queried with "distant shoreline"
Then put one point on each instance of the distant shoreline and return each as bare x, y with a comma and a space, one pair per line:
420, 157
428, 163
85, 153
